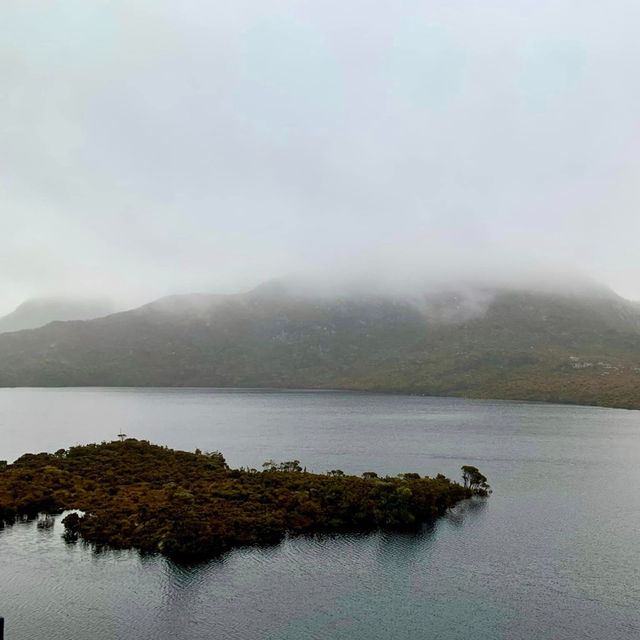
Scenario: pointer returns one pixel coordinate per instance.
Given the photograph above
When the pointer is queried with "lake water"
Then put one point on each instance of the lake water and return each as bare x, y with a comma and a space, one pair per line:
554, 553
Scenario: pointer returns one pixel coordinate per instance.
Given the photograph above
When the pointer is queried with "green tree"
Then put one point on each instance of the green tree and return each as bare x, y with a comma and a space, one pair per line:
474, 480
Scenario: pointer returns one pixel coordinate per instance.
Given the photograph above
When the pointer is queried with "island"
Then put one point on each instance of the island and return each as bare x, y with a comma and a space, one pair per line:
190, 506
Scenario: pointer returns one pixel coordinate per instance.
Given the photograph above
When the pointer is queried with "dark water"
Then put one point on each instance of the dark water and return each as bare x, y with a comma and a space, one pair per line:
554, 553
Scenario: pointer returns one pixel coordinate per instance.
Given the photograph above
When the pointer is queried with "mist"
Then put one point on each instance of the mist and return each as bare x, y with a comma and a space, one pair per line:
167, 147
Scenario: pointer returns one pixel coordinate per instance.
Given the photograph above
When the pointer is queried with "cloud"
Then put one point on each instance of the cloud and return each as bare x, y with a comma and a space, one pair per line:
193, 146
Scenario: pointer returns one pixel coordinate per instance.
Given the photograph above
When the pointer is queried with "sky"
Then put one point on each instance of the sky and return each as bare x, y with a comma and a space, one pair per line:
155, 147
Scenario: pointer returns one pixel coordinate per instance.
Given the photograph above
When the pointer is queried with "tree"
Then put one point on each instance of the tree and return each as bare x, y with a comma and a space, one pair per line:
474, 480
217, 457
292, 466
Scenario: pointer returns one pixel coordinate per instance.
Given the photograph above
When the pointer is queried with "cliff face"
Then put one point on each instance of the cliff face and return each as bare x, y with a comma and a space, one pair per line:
582, 348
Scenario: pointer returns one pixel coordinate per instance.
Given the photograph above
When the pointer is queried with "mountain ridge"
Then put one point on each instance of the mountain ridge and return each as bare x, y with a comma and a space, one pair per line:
38, 312
501, 343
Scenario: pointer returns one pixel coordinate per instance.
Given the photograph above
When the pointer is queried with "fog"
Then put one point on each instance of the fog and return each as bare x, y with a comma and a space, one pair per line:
159, 147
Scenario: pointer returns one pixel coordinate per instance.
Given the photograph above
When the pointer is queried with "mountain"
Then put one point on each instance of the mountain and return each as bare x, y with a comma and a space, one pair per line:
578, 347
40, 311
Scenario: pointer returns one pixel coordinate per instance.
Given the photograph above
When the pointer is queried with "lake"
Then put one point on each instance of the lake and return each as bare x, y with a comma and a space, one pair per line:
554, 553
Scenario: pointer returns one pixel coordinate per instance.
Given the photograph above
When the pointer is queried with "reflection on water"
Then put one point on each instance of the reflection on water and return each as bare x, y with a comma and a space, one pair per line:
459, 516
75, 590
554, 553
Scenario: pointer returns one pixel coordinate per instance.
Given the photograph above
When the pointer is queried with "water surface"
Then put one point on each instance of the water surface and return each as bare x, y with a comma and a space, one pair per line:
554, 553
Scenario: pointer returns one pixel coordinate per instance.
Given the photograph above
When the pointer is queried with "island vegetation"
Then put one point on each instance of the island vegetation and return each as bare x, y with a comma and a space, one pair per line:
133, 494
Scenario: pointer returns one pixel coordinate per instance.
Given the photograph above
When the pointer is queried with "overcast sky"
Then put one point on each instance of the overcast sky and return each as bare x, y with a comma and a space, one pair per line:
155, 147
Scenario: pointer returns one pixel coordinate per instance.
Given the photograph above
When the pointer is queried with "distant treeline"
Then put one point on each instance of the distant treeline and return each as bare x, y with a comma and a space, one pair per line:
133, 494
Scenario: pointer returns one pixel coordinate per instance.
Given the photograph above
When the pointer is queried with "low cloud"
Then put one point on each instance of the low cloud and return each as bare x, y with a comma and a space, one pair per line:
168, 147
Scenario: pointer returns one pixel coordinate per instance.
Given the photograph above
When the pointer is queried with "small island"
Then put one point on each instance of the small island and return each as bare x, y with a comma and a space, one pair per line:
189, 506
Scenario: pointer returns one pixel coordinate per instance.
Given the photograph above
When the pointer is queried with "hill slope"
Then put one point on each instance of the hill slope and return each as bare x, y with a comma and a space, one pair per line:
40, 311
578, 348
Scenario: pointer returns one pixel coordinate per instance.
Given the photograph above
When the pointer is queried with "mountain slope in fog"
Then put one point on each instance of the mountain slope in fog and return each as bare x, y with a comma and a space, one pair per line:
41, 311
581, 347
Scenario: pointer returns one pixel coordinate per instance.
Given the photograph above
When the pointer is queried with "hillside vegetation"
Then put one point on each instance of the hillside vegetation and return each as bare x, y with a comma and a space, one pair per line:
577, 348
